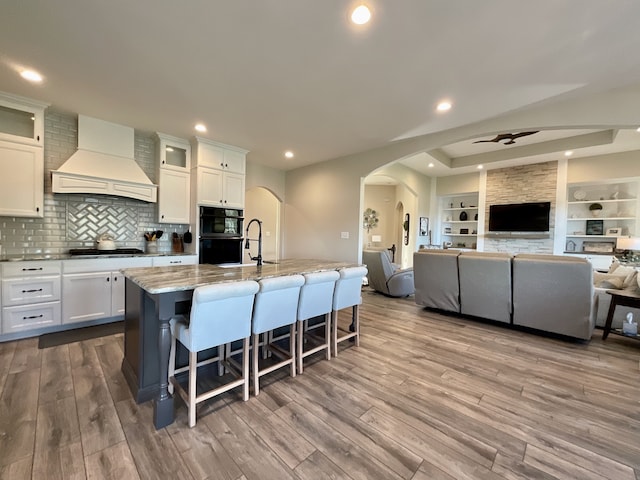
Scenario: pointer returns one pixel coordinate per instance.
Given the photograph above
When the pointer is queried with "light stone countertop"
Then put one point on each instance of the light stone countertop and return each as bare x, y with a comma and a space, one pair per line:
157, 280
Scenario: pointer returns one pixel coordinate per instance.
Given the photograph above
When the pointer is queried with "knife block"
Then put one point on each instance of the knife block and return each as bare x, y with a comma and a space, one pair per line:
177, 245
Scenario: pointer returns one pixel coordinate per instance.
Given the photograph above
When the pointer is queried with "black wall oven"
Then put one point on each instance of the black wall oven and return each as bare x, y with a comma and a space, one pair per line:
220, 235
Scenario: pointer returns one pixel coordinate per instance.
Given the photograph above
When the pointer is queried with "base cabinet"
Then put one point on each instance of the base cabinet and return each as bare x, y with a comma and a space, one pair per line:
87, 296
30, 295
30, 317
94, 289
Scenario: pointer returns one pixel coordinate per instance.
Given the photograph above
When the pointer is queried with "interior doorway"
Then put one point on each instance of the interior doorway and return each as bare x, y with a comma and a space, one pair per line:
263, 204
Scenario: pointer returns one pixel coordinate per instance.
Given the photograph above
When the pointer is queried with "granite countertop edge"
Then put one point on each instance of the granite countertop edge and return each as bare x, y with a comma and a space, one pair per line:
161, 280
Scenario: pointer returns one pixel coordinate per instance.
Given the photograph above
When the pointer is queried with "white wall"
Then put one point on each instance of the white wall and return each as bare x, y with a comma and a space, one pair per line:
262, 204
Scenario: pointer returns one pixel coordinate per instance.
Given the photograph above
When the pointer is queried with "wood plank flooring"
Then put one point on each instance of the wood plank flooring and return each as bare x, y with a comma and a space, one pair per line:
425, 396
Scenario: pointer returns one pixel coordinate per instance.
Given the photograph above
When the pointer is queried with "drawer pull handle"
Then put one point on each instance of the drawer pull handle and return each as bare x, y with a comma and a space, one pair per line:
176, 261
31, 269
32, 317
32, 290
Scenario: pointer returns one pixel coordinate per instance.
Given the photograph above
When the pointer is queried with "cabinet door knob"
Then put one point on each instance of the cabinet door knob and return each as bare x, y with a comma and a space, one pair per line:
108, 279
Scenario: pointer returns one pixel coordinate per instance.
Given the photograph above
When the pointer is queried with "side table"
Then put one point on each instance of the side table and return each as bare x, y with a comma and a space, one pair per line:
624, 299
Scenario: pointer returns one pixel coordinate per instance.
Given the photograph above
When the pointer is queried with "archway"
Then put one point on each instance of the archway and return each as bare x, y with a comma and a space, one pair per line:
263, 204
399, 233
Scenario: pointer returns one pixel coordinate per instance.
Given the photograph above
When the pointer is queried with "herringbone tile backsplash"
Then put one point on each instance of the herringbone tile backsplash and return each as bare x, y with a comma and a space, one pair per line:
87, 221
75, 221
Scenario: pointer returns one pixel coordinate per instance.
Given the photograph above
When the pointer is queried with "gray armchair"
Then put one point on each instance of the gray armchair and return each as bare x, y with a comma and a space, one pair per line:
386, 278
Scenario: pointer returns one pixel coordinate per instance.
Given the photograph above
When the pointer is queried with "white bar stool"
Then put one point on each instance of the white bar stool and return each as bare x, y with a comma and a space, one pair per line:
348, 293
316, 298
276, 306
220, 314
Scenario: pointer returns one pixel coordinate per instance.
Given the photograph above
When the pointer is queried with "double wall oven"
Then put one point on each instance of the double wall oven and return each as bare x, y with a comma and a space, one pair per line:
220, 235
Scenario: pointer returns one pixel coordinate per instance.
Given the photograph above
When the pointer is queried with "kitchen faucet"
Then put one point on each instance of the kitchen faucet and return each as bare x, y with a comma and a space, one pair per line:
246, 245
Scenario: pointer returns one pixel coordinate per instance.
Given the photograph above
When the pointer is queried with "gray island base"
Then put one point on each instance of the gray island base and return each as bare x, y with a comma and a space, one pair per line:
154, 295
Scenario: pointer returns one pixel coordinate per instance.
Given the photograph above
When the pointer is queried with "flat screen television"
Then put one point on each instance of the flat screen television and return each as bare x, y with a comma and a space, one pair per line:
519, 217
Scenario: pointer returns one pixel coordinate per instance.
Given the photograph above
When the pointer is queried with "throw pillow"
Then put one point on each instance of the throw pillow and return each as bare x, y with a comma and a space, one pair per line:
612, 283
629, 273
608, 280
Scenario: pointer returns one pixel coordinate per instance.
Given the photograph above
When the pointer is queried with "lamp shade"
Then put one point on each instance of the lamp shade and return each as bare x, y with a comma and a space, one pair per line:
628, 243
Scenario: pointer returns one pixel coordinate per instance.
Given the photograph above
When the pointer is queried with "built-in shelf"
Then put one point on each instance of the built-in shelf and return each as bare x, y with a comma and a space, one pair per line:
619, 212
449, 217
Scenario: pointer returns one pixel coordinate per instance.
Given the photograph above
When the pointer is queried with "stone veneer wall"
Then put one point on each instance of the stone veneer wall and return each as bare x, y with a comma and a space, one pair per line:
528, 183
75, 220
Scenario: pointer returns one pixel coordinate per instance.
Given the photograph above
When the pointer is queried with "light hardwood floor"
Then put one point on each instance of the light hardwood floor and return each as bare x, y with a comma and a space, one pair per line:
425, 396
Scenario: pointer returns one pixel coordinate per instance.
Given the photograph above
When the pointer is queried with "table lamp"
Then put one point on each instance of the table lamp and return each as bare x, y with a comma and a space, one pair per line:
629, 245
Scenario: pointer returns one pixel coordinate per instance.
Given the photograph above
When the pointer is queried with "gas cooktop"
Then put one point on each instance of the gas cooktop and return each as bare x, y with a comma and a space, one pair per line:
95, 251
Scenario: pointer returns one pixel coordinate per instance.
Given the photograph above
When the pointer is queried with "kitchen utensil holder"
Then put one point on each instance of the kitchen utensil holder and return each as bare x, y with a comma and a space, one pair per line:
152, 246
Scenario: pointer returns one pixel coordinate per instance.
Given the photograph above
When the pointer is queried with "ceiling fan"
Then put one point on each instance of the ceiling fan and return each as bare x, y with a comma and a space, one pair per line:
510, 137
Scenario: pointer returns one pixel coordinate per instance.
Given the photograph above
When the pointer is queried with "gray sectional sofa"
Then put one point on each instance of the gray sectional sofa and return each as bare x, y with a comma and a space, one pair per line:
551, 293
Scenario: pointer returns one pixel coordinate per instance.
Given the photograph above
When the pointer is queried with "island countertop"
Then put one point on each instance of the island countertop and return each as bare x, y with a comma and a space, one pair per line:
157, 280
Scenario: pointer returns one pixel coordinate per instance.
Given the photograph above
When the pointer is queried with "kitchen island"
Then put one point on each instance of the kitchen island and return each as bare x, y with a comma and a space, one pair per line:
154, 295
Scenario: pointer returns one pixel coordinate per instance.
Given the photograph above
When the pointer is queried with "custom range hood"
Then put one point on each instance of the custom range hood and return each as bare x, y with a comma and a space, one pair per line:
103, 164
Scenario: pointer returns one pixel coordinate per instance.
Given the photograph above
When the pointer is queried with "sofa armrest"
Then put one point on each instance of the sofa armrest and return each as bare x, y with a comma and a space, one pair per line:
401, 283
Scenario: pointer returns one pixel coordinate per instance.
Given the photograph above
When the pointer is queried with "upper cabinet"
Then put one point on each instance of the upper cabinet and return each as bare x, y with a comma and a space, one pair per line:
173, 153
174, 184
219, 175
21, 120
21, 157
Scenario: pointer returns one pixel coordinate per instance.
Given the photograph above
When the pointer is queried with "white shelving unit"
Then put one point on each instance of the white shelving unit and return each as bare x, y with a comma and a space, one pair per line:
619, 200
452, 223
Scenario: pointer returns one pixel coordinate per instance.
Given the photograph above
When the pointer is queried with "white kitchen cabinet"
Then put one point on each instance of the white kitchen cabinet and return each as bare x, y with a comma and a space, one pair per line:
21, 180
93, 289
216, 188
30, 295
21, 120
220, 156
174, 196
87, 296
174, 185
219, 176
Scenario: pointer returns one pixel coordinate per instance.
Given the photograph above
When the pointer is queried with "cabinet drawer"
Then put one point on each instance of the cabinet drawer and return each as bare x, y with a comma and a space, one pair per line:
25, 269
28, 317
169, 260
20, 291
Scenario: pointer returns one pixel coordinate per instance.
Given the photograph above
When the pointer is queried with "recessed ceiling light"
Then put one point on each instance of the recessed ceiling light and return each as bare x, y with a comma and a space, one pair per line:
638, 129
568, 153
361, 15
200, 127
430, 165
444, 106
480, 167
31, 76
288, 154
